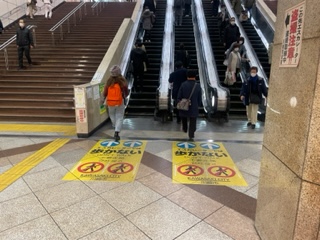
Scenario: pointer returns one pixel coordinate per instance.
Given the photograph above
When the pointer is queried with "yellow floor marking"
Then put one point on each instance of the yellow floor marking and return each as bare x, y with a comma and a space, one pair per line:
30, 162
67, 130
204, 163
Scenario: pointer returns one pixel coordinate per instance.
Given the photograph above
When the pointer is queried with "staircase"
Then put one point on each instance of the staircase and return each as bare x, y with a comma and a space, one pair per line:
143, 103
44, 92
237, 109
258, 46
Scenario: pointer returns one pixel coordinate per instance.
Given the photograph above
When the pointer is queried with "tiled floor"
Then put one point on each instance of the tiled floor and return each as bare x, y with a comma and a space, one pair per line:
42, 206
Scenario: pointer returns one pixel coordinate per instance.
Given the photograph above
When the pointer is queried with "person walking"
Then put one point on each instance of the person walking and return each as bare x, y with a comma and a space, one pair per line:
187, 8
115, 91
215, 7
47, 8
148, 18
178, 11
231, 33
150, 4
251, 94
176, 79
248, 4
139, 60
32, 7
222, 21
189, 118
24, 41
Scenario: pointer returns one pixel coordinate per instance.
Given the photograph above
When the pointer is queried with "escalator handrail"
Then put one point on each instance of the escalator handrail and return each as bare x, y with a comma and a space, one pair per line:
211, 72
167, 57
251, 54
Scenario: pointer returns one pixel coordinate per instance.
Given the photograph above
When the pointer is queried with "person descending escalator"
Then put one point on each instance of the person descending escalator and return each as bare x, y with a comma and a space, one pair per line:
183, 56
178, 11
215, 7
187, 8
223, 21
148, 19
231, 33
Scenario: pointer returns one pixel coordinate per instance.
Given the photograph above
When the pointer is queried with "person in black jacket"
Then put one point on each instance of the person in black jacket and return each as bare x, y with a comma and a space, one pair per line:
187, 8
251, 95
190, 117
183, 56
231, 33
139, 61
1, 27
176, 79
24, 43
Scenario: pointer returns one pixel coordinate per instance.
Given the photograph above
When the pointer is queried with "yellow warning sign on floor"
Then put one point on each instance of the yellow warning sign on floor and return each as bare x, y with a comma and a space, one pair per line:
204, 163
109, 161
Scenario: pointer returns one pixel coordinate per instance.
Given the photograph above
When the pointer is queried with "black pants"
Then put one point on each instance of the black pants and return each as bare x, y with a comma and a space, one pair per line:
175, 101
187, 8
26, 50
147, 35
192, 125
138, 80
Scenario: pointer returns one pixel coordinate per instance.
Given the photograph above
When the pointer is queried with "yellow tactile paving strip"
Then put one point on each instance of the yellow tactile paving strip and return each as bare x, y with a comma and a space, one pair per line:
66, 130
30, 162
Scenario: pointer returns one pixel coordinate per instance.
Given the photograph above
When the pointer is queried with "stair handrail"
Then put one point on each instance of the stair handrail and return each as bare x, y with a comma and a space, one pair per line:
67, 19
216, 98
251, 54
5, 45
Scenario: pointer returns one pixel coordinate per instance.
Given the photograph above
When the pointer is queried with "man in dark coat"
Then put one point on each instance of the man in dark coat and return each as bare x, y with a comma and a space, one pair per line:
251, 95
176, 79
139, 61
190, 117
24, 43
1, 27
231, 33
150, 5
187, 8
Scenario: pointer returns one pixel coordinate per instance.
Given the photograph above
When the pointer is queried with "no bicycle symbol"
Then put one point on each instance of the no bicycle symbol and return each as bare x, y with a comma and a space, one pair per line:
90, 167
120, 168
221, 171
190, 170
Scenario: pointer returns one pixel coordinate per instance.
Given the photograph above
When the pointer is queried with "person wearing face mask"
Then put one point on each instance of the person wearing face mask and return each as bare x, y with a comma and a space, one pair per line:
251, 94
222, 21
24, 41
231, 33
242, 49
234, 63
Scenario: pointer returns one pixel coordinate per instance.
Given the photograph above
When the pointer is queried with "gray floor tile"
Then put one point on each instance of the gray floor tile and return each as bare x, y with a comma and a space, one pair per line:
155, 147
160, 183
44, 165
249, 166
103, 186
203, 231
20, 210
163, 220
119, 230
144, 171
253, 192
15, 142
194, 202
38, 229
85, 217
251, 181
239, 152
64, 195
130, 197
16, 189
40, 180
65, 158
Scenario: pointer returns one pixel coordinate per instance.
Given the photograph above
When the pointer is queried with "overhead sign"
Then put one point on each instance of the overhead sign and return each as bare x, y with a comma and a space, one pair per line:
204, 163
292, 36
109, 161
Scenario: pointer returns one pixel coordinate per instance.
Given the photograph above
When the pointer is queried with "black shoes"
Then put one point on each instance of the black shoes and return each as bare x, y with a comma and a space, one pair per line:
253, 126
249, 124
116, 137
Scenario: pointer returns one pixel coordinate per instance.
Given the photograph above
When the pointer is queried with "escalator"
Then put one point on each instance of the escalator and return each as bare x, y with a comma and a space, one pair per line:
143, 103
237, 109
258, 46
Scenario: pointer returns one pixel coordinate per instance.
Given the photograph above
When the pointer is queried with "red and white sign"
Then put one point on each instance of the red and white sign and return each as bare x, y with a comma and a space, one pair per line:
292, 37
81, 115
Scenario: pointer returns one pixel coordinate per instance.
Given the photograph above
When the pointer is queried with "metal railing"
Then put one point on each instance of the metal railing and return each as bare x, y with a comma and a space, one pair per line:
6, 44
81, 9
97, 7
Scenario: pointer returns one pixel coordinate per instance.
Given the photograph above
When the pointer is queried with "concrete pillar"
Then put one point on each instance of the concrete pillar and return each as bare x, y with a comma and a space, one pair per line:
288, 205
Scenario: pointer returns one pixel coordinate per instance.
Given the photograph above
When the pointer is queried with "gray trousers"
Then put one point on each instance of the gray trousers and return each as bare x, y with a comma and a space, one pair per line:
116, 114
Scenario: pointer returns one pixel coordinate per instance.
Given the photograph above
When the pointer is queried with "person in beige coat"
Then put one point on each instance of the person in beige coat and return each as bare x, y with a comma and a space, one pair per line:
47, 8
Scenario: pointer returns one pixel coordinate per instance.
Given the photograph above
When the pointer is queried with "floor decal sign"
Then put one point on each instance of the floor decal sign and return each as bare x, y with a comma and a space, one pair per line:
109, 161
204, 163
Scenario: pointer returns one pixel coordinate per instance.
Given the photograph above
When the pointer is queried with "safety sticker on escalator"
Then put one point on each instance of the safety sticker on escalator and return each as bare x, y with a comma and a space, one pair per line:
204, 163
109, 161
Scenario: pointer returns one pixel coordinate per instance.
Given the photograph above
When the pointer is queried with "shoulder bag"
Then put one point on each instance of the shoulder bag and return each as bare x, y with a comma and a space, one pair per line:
184, 103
